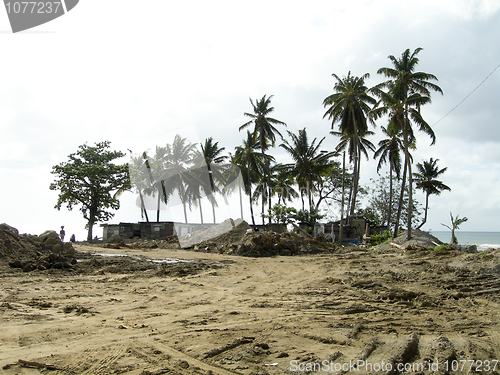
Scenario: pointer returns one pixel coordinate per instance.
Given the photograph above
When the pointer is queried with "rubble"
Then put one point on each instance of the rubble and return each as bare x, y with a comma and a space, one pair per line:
243, 241
31, 252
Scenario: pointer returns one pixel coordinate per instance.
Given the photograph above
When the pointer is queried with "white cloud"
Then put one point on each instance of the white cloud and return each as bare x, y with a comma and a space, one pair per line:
137, 74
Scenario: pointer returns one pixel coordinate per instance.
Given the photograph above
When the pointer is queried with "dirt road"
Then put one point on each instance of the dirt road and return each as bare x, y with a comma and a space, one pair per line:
350, 311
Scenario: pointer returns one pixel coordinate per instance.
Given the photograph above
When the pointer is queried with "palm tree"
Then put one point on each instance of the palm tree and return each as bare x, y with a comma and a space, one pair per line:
213, 158
309, 164
412, 90
264, 130
355, 146
139, 178
350, 107
251, 164
180, 157
426, 179
284, 184
157, 171
389, 152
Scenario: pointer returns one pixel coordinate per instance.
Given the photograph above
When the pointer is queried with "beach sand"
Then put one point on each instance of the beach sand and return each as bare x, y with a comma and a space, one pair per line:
223, 314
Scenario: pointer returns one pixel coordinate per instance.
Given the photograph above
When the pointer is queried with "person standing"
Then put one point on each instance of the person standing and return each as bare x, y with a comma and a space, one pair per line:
62, 233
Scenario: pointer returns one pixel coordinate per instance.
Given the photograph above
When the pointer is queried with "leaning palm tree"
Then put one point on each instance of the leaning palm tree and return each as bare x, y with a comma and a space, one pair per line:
265, 131
389, 151
309, 164
412, 90
426, 179
350, 107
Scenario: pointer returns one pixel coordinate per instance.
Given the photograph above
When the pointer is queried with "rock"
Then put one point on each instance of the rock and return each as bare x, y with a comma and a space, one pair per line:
28, 267
68, 249
49, 234
183, 364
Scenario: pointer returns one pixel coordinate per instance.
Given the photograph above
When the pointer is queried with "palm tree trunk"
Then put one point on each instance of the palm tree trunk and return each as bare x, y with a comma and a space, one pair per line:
410, 199
400, 205
143, 207
425, 212
251, 208
390, 196
213, 211
356, 178
158, 207
201, 210
241, 201
263, 205
410, 180
250, 194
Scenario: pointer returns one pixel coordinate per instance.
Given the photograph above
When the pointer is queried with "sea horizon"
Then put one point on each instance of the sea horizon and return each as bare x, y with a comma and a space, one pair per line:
482, 239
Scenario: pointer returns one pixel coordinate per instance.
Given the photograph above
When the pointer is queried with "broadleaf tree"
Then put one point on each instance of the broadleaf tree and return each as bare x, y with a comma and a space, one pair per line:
88, 179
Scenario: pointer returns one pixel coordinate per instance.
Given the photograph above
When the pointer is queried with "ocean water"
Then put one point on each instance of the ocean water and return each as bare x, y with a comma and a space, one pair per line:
483, 240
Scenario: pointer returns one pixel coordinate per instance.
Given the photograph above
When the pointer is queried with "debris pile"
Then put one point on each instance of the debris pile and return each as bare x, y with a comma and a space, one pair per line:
30, 252
242, 240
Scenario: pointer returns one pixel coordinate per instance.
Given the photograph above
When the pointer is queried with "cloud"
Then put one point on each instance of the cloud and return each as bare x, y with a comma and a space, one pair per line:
156, 69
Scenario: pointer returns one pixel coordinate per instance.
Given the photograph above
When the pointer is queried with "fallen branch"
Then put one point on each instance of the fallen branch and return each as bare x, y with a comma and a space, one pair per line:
32, 364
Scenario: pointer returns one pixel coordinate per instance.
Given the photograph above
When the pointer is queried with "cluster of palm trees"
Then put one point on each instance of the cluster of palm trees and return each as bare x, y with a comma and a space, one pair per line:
353, 106
193, 174
180, 173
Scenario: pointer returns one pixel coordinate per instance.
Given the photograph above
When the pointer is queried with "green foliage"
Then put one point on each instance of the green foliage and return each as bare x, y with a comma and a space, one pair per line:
310, 217
442, 247
384, 237
380, 202
281, 214
455, 224
88, 179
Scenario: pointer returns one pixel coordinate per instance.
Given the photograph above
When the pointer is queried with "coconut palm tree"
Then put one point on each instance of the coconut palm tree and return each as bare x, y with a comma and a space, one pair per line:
426, 179
412, 90
157, 171
180, 157
355, 146
309, 164
213, 159
284, 184
139, 178
389, 151
350, 107
251, 164
265, 131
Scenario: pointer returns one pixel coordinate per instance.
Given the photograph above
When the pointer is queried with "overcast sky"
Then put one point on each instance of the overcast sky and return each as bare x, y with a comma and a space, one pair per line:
137, 73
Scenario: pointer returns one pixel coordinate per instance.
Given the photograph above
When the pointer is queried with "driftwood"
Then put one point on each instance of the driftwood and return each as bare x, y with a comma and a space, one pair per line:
397, 246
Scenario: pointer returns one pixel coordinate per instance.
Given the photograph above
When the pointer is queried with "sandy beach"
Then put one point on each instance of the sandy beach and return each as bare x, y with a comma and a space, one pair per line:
222, 314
